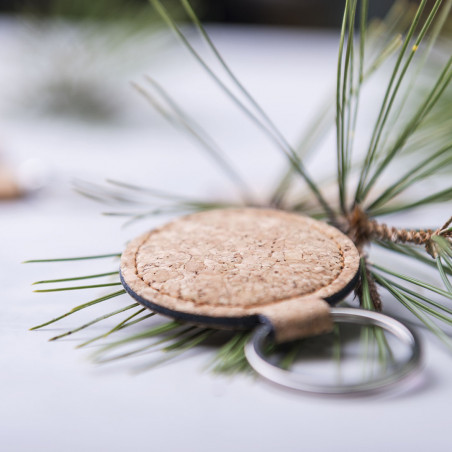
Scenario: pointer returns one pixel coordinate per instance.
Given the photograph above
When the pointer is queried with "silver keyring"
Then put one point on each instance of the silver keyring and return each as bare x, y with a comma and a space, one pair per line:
256, 357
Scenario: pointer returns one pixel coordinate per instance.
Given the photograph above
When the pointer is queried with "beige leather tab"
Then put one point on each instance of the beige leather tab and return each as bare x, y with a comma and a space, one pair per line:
299, 318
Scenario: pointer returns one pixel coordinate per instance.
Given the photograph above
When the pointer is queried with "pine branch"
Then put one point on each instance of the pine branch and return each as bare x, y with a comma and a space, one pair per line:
284, 147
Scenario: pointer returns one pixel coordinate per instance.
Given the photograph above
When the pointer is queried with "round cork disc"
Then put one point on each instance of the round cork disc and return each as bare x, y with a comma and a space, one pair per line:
225, 267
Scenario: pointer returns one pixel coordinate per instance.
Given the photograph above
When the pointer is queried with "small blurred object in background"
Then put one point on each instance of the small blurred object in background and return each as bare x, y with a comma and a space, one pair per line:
9, 187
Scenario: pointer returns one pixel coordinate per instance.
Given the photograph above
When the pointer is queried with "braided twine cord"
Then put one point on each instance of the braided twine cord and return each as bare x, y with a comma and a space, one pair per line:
362, 229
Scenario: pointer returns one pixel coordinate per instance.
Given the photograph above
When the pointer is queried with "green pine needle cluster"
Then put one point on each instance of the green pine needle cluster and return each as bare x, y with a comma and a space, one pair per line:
412, 132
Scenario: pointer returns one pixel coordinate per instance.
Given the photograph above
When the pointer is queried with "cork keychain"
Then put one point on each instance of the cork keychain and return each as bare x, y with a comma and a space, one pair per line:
269, 270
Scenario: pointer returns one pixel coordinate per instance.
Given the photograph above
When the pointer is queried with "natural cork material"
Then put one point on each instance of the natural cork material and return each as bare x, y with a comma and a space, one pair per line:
234, 263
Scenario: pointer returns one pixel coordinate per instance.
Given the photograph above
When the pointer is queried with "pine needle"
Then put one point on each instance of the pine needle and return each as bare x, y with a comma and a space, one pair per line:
426, 299
153, 346
76, 278
422, 170
94, 286
391, 93
80, 307
179, 118
260, 111
282, 145
414, 281
67, 259
441, 196
422, 317
416, 119
409, 251
322, 121
98, 319
184, 346
230, 358
443, 275
123, 324
154, 331
157, 193
289, 358
368, 333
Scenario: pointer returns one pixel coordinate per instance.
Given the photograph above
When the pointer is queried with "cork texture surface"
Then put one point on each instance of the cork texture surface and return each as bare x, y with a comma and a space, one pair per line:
239, 262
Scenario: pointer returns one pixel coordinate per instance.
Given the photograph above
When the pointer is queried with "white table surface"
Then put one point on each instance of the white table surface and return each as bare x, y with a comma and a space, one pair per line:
52, 397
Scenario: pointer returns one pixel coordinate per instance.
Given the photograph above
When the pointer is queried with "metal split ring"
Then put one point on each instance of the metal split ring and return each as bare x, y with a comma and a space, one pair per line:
254, 351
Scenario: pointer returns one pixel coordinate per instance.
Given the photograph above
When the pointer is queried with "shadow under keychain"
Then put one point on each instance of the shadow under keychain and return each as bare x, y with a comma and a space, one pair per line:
276, 272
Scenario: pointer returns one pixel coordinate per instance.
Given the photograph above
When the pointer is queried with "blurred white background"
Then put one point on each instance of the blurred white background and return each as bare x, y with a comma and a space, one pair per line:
52, 397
